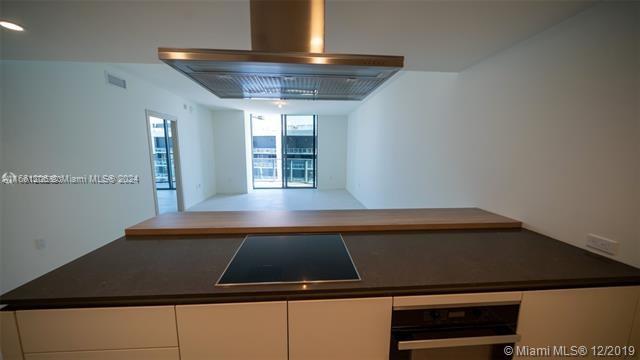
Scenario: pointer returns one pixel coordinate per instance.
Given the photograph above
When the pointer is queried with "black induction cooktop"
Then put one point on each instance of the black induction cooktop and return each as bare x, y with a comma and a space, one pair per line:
303, 258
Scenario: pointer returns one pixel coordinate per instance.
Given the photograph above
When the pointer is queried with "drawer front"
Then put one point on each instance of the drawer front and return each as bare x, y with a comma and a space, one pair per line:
243, 331
97, 328
132, 354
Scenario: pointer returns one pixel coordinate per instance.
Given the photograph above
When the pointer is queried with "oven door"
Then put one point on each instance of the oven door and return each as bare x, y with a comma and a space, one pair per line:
452, 344
476, 332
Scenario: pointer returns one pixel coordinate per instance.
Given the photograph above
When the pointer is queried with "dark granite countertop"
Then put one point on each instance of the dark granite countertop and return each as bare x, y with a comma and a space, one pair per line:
182, 270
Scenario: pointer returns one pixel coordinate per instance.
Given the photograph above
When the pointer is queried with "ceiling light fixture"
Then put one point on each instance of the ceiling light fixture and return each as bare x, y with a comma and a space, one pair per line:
9, 25
280, 103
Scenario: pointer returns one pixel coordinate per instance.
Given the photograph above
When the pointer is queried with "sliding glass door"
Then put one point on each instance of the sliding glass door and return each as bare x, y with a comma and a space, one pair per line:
299, 151
284, 151
266, 141
163, 159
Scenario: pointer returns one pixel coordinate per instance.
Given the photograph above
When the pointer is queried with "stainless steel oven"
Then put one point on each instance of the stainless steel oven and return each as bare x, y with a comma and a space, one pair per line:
471, 331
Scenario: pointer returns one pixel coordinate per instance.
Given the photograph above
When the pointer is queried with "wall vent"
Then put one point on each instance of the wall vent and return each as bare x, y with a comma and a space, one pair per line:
116, 81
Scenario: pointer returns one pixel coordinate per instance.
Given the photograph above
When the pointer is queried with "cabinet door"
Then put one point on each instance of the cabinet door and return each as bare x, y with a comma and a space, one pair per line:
132, 354
340, 329
596, 316
243, 331
634, 340
10, 348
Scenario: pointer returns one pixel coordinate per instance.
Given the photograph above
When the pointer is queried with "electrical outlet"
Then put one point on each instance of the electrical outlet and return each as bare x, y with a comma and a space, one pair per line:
603, 244
39, 244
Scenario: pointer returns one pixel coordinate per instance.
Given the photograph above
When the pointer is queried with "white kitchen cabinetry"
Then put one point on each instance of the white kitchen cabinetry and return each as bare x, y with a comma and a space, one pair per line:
242, 331
593, 316
340, 329
302, 330
97, 329
132, 354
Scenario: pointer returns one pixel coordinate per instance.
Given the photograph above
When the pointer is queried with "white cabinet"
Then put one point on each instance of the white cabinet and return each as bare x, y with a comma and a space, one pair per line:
132, 354
634, 340
97, 328
340, 329
242, 331
9, 338
594, 316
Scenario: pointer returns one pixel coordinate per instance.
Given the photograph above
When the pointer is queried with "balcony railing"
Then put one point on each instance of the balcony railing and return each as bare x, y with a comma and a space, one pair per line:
265, 168
308, 151
264, 150
297, 170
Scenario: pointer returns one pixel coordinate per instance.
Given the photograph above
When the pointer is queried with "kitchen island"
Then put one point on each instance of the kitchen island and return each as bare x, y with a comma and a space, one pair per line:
154, 296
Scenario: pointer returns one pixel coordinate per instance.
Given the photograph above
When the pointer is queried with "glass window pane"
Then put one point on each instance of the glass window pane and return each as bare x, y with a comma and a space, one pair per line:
266, 133
300, 150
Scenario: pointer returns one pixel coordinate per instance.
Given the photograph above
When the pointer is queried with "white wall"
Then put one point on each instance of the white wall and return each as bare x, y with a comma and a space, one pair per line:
546, 132
400, 145
197, 155
565, 103
62, 118
332, 152
230, 150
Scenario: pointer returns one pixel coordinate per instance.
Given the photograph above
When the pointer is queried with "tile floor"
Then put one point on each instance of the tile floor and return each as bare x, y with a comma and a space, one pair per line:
281, 199
167, 201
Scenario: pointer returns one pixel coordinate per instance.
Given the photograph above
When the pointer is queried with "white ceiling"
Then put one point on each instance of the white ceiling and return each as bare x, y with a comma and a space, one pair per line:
447, 35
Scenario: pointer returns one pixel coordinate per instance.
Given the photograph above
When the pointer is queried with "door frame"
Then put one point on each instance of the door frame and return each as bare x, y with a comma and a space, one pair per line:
176, 157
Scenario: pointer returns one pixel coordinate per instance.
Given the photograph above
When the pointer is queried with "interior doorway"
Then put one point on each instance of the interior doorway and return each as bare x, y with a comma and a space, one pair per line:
165, 162
283, 151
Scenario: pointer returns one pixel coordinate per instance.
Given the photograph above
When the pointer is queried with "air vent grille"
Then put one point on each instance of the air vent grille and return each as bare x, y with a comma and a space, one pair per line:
116, 81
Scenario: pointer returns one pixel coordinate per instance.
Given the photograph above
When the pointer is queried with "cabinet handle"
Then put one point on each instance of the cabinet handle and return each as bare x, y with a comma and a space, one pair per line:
455, 342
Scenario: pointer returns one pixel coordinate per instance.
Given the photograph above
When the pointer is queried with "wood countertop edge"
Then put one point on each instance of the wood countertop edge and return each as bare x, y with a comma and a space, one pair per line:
133, 231
311, 221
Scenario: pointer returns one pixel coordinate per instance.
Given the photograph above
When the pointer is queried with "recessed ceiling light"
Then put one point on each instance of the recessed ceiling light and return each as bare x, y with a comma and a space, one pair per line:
11, 25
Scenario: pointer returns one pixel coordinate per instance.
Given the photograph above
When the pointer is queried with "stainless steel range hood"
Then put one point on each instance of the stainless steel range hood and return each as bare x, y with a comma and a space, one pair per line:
287, 60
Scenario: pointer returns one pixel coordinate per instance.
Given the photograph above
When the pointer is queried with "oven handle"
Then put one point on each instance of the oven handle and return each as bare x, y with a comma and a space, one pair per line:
455, 342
